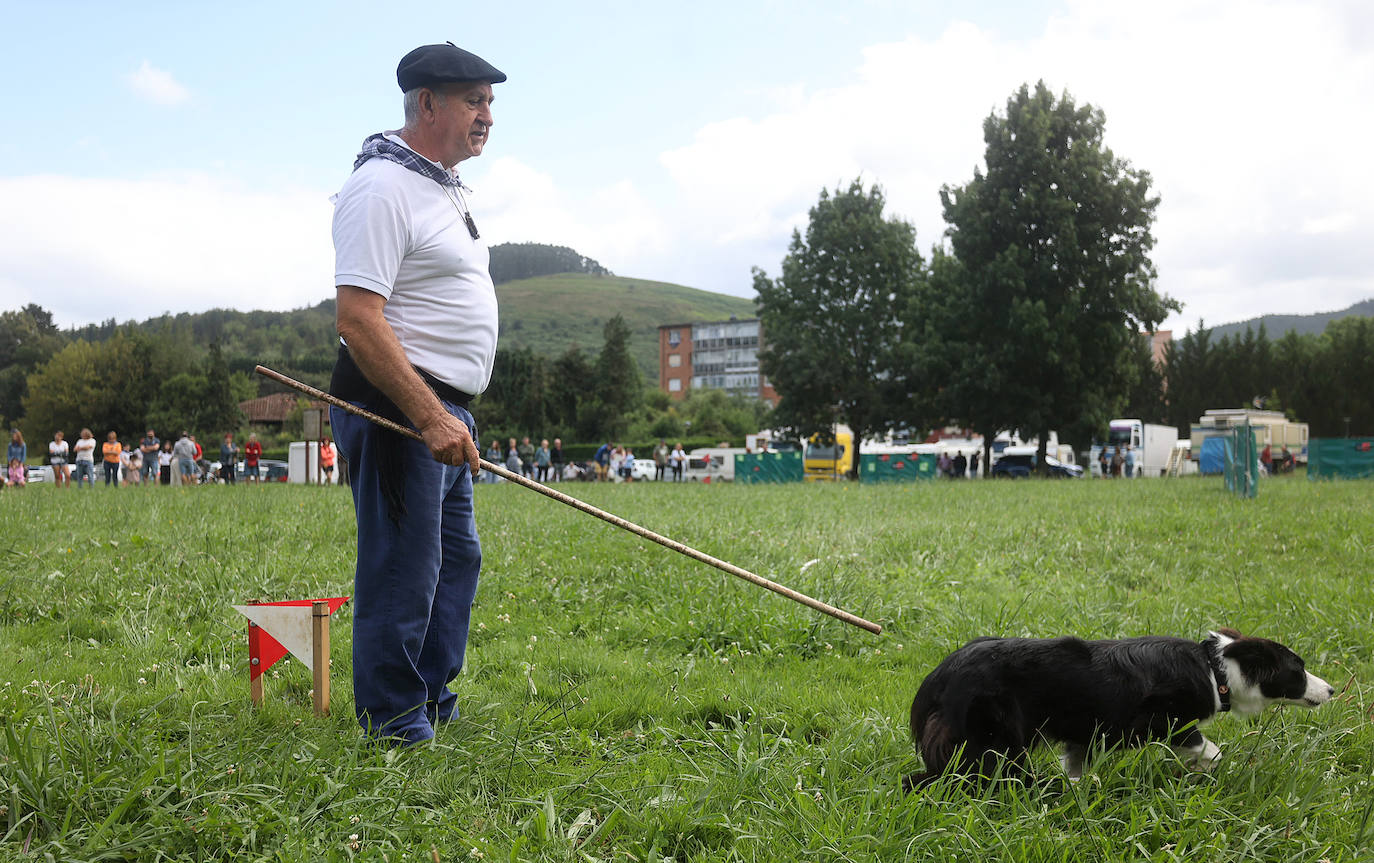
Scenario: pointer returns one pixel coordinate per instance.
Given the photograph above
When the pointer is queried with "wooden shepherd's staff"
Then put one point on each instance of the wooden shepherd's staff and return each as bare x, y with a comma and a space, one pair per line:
837, 613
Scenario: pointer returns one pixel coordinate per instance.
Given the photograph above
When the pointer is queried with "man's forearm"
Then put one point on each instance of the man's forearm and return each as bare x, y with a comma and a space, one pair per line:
378, 353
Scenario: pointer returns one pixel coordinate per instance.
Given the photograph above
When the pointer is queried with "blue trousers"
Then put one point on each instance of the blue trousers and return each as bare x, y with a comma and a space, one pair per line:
414, 584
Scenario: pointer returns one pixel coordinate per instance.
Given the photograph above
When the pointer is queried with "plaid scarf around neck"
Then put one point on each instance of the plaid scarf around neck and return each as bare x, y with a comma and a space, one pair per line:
378, 147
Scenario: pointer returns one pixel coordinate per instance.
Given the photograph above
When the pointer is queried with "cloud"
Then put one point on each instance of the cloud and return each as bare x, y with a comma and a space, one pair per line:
92, 249
1242, 112
157, 86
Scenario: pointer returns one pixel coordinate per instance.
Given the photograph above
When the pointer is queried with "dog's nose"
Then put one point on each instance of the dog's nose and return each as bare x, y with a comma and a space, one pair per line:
1330, 690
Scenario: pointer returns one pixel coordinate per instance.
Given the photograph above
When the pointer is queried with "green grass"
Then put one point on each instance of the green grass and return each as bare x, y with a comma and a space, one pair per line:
624, 702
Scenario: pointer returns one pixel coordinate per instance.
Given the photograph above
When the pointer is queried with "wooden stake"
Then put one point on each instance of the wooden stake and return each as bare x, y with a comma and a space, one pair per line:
254, 681
739, 572
319, 636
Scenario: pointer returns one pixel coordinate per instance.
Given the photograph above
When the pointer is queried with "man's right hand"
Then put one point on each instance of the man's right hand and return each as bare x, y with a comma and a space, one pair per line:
450, 442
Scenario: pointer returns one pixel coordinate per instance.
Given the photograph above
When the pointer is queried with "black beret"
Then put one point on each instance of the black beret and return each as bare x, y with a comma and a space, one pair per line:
442, 64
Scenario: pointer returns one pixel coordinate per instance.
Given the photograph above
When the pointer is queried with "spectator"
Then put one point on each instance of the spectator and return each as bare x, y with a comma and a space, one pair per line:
133, 465
1130, 462
493, 456
252, 458
184, 453
17, 449
202, 466
111, 451
945, 464
1118, 462
959, 465
513, 458
617, 459
542, 460
973, 464
526, 451
58, 454
602, 459
556, 459
661, 458
1286, 459
1267, 459
1104, 463
15, 475
150, 446
676, 459
326, 461
627, 465
85, 458
228, 455
164, 463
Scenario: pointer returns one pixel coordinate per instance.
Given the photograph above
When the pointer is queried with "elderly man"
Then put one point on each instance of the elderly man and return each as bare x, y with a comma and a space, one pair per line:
416, 315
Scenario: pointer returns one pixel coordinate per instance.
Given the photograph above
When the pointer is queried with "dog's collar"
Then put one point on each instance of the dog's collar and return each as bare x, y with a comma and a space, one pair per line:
1219, 673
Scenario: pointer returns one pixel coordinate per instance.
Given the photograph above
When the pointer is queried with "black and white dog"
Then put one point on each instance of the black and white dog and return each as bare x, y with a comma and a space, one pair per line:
993, 699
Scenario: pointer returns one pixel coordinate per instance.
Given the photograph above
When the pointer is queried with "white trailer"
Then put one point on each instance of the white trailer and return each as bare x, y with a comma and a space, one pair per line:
1152, 445
1272, 429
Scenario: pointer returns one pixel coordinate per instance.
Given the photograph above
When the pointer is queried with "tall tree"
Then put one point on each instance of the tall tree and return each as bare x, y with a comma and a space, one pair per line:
1054, 240
28, 339
832, 322
618, 386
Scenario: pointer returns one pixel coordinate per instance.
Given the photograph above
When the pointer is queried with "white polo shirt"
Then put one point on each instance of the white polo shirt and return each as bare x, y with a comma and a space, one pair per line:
400, 234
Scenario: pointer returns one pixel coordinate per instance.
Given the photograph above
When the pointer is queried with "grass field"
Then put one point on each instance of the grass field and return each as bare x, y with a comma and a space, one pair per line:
622, 702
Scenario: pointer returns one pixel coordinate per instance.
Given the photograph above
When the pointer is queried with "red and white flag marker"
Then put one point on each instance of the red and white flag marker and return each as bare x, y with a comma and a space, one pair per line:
299, 627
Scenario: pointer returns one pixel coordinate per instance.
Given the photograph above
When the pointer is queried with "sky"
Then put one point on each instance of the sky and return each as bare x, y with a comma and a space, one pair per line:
171, 157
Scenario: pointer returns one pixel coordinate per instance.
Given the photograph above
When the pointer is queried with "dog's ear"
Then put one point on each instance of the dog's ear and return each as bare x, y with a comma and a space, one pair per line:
1225, 632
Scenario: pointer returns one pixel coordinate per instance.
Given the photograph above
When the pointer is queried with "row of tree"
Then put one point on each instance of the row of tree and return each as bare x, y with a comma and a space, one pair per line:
1031, 317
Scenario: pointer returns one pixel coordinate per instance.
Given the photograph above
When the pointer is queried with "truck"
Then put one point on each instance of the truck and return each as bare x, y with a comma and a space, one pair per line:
829, 461
1272, 429
1152, 444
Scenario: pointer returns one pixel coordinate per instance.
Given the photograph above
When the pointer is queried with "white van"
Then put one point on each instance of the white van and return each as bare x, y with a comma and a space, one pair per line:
711, 464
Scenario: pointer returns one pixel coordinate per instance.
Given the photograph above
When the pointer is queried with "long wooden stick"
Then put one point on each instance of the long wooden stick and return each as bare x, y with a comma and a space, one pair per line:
825, 608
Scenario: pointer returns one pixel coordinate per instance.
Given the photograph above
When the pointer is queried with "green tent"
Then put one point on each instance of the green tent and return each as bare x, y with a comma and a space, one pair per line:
896, 467
1242, 462
1340, 458
768, 467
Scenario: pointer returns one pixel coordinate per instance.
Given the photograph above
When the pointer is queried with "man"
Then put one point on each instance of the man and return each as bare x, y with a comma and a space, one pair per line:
184, 454
228, 455
1130, 462
252, 452
526, 450
602, 459
661, 459
416, 315
556, 459
149, 446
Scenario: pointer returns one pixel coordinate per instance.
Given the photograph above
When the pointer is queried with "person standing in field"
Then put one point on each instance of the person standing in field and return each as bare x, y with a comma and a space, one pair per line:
526, 450
1130, 462
493, 456
327, 456
602, 460
252, 455
417, 318
513, 457
184, 454
85, 458
132, 462
660, 459
228, 456
58, 453
542, 460
556, 459
677, 459
150, 446
111, 451
164, 463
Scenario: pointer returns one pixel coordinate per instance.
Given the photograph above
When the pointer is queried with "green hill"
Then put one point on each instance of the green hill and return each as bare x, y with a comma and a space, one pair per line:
1277, 325
550, 314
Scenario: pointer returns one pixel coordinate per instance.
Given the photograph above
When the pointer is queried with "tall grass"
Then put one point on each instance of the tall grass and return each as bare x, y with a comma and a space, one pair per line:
623, 702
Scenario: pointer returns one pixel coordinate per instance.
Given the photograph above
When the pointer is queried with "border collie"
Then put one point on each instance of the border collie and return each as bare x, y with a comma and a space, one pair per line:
992, 699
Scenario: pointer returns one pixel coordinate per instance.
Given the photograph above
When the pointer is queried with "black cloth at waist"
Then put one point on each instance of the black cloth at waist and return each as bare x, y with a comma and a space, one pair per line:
350, 384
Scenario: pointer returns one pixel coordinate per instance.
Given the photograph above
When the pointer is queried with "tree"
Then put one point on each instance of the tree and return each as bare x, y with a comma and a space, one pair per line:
832, 322
28, 339
618, 385
1053, 241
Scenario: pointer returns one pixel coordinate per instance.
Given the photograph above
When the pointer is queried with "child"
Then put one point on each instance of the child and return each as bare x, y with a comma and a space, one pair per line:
16, 473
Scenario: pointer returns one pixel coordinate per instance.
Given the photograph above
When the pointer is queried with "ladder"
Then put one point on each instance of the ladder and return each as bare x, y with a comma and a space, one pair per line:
1175, 465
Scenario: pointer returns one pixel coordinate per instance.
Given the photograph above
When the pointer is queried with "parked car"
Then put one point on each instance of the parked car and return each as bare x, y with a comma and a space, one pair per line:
643, 469
1018, 466
271, 470
42, 473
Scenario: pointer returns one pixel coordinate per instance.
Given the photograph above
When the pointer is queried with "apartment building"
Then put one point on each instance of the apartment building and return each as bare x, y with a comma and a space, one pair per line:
716, 355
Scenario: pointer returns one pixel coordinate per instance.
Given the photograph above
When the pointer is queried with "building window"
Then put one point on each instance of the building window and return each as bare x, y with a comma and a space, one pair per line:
675, 385
674, 360
674, 338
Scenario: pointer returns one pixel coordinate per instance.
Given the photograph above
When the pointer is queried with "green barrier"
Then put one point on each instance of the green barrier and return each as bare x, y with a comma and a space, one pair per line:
768, 467
1340, 458
896, 467
1242, 462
